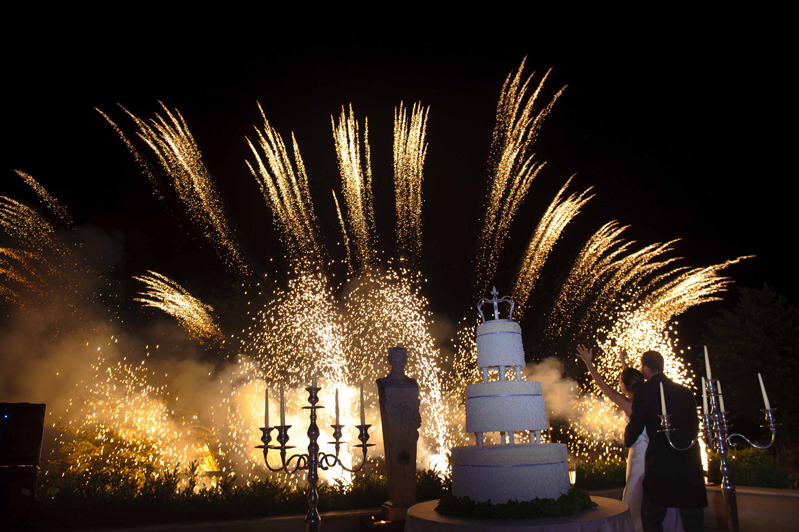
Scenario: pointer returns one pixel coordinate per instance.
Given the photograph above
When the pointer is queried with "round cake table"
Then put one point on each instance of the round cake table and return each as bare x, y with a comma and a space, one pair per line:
610, 515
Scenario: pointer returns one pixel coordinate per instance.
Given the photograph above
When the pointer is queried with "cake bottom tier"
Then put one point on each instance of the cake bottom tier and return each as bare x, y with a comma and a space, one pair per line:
505, 472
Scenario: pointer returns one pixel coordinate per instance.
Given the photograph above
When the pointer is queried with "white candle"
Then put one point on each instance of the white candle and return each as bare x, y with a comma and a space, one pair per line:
763, 391
707, 366
337, 421
313, 384
662, 400
363, 418
704, 396
721, 397
266, 408
282, 407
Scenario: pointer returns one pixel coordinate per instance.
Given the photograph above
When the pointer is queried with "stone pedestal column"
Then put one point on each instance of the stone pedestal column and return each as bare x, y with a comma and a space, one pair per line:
399, 412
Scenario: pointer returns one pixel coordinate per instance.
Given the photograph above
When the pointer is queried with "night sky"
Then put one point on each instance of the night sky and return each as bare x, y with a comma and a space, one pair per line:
680, 138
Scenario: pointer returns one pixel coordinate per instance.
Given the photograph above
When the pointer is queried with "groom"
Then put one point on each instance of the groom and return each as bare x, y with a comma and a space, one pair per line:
672, 479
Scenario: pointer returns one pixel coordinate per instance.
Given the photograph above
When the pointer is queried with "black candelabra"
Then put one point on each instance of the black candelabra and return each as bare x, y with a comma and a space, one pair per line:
314, 459
717, 438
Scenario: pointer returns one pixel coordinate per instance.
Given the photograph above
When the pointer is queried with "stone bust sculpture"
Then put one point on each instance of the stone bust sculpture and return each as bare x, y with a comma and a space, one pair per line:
399, 411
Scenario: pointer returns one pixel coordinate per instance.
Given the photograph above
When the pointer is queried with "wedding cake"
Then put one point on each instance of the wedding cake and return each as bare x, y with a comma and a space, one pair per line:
509, 470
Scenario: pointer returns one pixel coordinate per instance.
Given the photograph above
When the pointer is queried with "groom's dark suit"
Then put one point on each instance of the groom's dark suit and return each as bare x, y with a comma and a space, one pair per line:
672, 479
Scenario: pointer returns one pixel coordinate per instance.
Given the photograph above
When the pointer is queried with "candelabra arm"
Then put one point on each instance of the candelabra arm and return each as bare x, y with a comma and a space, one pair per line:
668, 430
772, 426
750, 442
364, 437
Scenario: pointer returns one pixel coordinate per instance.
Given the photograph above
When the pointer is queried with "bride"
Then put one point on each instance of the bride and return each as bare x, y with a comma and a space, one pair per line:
633, 492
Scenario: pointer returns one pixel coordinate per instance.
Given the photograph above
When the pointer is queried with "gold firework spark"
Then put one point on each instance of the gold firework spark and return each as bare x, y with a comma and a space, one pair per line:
343, 226
25, 224
356, 183
120, 421
170, 139
50, 200
410, 150
559, 213
593, 262
137, 156
194, 315
286, 192
510, 169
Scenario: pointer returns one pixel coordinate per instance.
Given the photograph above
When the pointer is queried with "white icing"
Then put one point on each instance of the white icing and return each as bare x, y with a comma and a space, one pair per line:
505, 472
499, 343
505, 407
501, 473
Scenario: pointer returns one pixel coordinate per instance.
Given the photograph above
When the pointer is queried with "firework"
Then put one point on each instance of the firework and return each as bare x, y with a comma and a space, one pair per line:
194, 315
510, 169
410, 150
25, 224
177, 152
553, 222
286, 192
356, 183
49, 200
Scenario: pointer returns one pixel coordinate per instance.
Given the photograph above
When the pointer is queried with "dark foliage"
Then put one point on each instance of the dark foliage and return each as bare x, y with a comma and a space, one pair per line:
760, 335
601, 474
757, 468
572, 503
80, 500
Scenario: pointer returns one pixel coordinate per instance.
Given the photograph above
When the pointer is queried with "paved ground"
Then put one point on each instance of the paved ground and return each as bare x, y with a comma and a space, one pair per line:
332, 522
349, 521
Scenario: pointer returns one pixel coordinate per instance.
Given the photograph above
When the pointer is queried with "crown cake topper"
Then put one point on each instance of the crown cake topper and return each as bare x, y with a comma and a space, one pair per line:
494, 293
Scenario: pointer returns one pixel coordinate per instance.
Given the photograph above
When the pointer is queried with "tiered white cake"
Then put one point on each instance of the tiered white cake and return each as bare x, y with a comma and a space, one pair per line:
507, 471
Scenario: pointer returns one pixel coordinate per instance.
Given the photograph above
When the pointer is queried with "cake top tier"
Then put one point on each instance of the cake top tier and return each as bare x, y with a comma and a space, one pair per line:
499, 344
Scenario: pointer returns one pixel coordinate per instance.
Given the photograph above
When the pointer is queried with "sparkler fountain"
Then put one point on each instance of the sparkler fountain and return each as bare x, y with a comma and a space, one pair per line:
716, 434
314, 459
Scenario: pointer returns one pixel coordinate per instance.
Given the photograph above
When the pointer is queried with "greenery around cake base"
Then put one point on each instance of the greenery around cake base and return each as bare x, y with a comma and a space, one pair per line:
574, 502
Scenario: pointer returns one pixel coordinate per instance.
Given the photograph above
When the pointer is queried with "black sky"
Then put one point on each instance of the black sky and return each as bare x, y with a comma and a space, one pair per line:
681, 134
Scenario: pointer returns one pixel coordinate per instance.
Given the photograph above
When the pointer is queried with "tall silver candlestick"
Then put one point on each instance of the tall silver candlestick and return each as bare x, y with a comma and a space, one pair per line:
717, 439
314, 459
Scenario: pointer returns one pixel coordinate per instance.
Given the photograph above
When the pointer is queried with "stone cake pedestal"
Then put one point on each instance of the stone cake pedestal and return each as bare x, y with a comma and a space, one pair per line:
610, 515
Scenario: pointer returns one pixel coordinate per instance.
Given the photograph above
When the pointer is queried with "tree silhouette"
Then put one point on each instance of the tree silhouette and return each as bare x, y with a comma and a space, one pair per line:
759, 335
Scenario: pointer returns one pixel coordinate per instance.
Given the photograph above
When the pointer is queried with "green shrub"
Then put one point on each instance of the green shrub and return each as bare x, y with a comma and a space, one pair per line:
572, 503
107, 498
754, 467
601, 474
431, 485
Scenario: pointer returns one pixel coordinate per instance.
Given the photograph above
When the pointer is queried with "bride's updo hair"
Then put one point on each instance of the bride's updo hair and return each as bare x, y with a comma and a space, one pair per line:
632, 379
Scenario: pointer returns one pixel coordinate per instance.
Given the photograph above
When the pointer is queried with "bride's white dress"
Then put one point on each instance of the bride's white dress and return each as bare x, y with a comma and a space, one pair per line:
633, 491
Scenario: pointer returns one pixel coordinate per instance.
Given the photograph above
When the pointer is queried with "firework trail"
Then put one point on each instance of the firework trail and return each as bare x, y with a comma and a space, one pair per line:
356, 184
52, 203
137, 156
181, 159
25, 224
16, 266
510, 169
410, 150
286, 192
593, 262
343, 234
559, 213
193, 315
